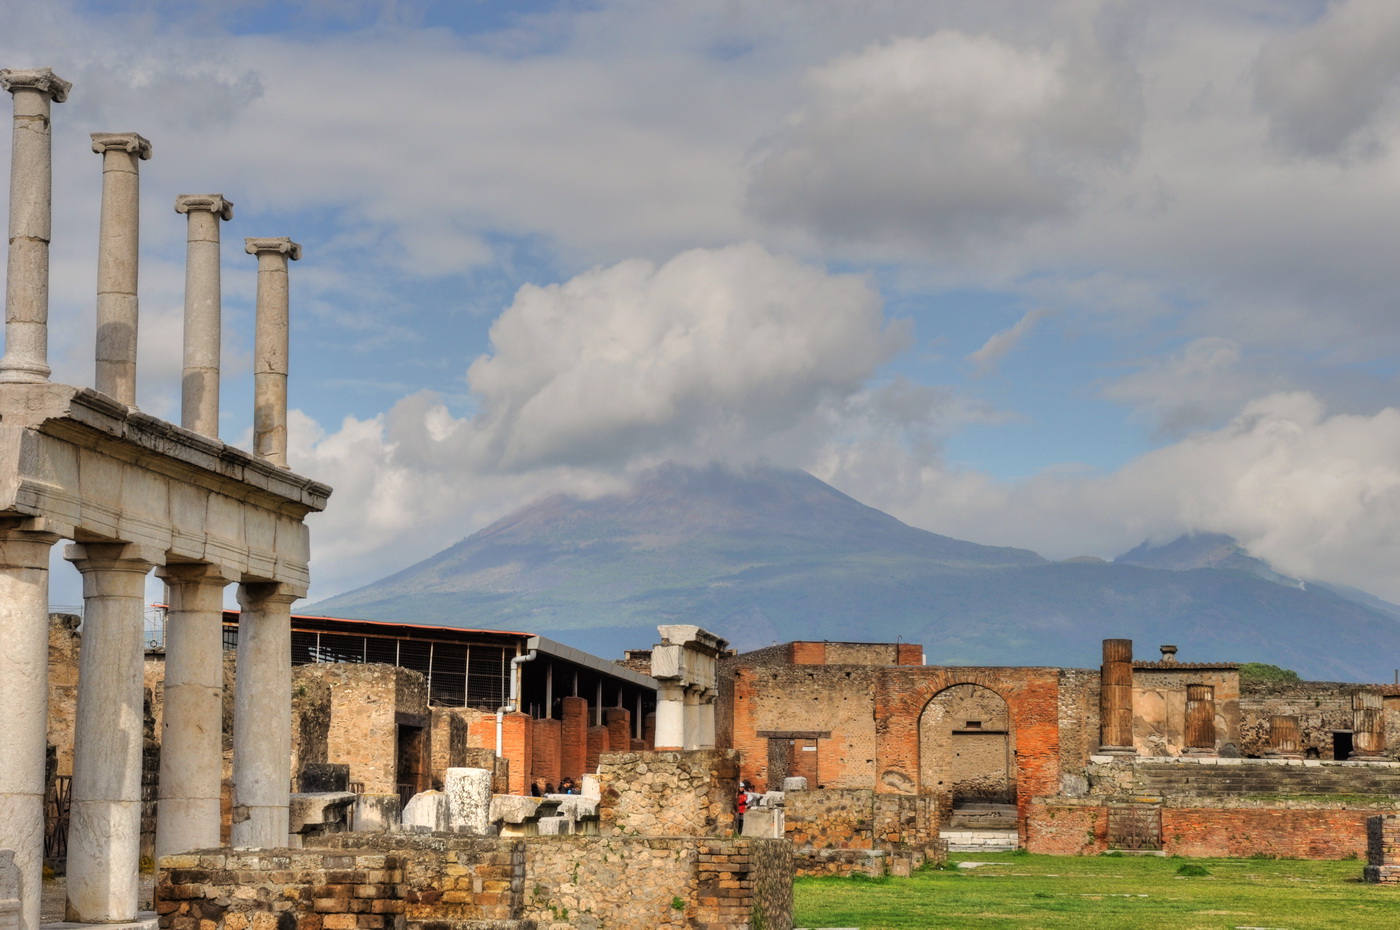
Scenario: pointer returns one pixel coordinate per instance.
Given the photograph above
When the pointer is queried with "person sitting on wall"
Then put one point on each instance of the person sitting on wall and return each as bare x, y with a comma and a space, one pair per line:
549, 787
567, 787
535, 789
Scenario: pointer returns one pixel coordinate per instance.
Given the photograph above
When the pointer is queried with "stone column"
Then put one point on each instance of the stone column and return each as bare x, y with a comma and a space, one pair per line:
1368, 725
117, 257
1200, 720
24, 688
691, 725
270, 357
1284, 739
705, 721
1116, 698
670, 716
199, 394
104, 829
262, 715
31, 224
191, 742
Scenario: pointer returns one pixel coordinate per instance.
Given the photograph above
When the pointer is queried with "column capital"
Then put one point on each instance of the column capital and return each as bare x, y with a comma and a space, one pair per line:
40, 79
200, 573
216, 204
21, 546
258, 595
133, 143
116, 556
280, 244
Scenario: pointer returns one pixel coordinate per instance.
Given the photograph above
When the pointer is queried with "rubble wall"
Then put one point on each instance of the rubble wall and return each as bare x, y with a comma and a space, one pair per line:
662, 793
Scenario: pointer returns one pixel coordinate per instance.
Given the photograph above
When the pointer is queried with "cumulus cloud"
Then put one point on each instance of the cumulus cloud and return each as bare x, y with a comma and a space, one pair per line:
1324, 86
944, 137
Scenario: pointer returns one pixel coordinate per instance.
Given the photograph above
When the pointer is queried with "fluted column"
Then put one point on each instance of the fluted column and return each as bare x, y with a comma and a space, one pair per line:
199, 410
1200, 719
262, 715
31, 224
1368, 724
1284, 739
118, 240
191, 745
270, 357
24, 692
104, 830
1116, 698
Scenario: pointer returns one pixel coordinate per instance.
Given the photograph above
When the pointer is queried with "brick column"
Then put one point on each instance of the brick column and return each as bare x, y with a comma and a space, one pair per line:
199, 395
618, 721
1383, 850
262, 715
545, 752
104, 829
270, 357
1200, 720
1368, 724
573, 750
1116, 698
597, 745
516, 748
24, 676
191, 742
31, 224
118, 239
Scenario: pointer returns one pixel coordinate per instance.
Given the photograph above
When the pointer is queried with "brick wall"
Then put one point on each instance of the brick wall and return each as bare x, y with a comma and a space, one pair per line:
860, 819
1079, 717
545, 765
573, 739
597, 744
618, 720
362, 730
517, 747
567, 883
668, 793
1066, 829
64, 645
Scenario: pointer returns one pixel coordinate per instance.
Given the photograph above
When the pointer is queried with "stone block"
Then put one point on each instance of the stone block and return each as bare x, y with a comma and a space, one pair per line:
469, 800
428, 811
324, 776
590, 787
376, 813
764, 821
794, 784
322, 809
512, 808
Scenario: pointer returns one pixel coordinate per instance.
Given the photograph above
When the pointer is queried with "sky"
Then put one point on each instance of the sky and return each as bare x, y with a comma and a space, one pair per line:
1067, 275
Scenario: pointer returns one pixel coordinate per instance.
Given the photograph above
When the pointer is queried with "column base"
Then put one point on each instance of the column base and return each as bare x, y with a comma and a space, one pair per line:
1195, 752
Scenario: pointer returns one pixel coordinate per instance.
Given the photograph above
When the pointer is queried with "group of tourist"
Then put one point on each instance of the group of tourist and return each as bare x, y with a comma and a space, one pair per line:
566, 786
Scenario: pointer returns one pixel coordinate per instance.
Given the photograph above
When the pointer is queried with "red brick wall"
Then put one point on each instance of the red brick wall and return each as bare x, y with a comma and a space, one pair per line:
516, 747
909, 654
597, 745
809, 653
1067, 830
573, 751
544, 767
618, 720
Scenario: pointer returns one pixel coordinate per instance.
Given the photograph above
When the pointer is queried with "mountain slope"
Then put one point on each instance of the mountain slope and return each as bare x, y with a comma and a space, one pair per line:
764, 555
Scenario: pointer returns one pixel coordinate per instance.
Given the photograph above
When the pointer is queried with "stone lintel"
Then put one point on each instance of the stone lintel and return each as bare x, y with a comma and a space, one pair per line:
41, 79
216, 204
132, 142
693, 637
280, 244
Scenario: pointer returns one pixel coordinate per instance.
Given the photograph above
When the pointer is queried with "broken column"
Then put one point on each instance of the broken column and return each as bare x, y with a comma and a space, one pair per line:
104, 829
262, 715
1200, 720
24, 667
1382, 850
270, 356
118, 239
31, 224
1116, 698
468, 793
191, 757
1368, 725
199, 393
1285, 742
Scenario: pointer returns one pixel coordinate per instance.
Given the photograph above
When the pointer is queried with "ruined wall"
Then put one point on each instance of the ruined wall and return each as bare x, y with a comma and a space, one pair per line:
449, 743
64, 645
966, 747
365, 704
1079, 718
856, 819
1159, 705
668, 793
1321, 707
375, 882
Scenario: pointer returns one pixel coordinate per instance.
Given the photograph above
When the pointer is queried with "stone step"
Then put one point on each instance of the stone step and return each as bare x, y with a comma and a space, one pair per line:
980, 840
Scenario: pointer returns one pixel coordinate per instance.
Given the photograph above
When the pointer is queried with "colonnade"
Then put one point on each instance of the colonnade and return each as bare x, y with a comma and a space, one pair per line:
115, 494
685, 666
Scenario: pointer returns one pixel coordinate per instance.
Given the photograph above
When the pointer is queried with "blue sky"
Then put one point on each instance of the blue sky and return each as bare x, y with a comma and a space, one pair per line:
1065, 275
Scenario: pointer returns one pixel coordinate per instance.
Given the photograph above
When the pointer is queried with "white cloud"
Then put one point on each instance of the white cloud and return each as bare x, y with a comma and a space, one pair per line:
1004, 341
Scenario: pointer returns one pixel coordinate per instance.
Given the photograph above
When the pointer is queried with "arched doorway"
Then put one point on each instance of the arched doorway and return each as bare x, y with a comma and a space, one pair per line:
967, 748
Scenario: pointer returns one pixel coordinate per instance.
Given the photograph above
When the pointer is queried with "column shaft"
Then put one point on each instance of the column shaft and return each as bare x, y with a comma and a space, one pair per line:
199, 410
24, 692
1284, 739
705, 720
262, 716
104, 830
670, 716
1200, 718
191, 746
691, 732
31, 224
1368, 723
1116, 696
117, 259
270, 357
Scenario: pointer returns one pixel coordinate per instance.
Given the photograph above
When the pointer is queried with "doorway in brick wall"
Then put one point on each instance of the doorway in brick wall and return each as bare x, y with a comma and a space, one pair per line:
967, 747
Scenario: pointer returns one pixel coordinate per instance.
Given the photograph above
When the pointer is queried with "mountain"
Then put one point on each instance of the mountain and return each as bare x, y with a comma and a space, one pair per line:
762, 555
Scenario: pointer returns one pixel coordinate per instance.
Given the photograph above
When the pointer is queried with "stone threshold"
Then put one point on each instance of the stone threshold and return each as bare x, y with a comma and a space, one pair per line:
145, 920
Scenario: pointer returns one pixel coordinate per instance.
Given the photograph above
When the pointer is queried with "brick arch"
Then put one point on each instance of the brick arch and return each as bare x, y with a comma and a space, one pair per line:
1032, 699
967, 746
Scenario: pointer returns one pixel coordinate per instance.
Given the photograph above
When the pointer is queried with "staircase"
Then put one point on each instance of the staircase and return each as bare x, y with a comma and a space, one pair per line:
1248, 777
981, 828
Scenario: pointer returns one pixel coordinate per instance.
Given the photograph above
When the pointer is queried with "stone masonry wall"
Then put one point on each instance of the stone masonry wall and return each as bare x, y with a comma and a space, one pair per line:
1159, 706
64, 644
363, 729
668, 793
1320, 706
561, 883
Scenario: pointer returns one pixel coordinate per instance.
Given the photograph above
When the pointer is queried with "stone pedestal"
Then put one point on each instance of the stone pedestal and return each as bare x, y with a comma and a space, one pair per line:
104, 831
24, 670
1116, 698
31, 224
117, 253
469, 800
191, 757
427, 812
262, 716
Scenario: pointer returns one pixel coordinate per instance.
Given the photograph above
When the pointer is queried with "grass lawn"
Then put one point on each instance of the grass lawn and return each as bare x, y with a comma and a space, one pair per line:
1085, 893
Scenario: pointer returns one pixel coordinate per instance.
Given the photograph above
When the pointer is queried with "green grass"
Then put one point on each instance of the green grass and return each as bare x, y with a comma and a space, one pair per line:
1088, 893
